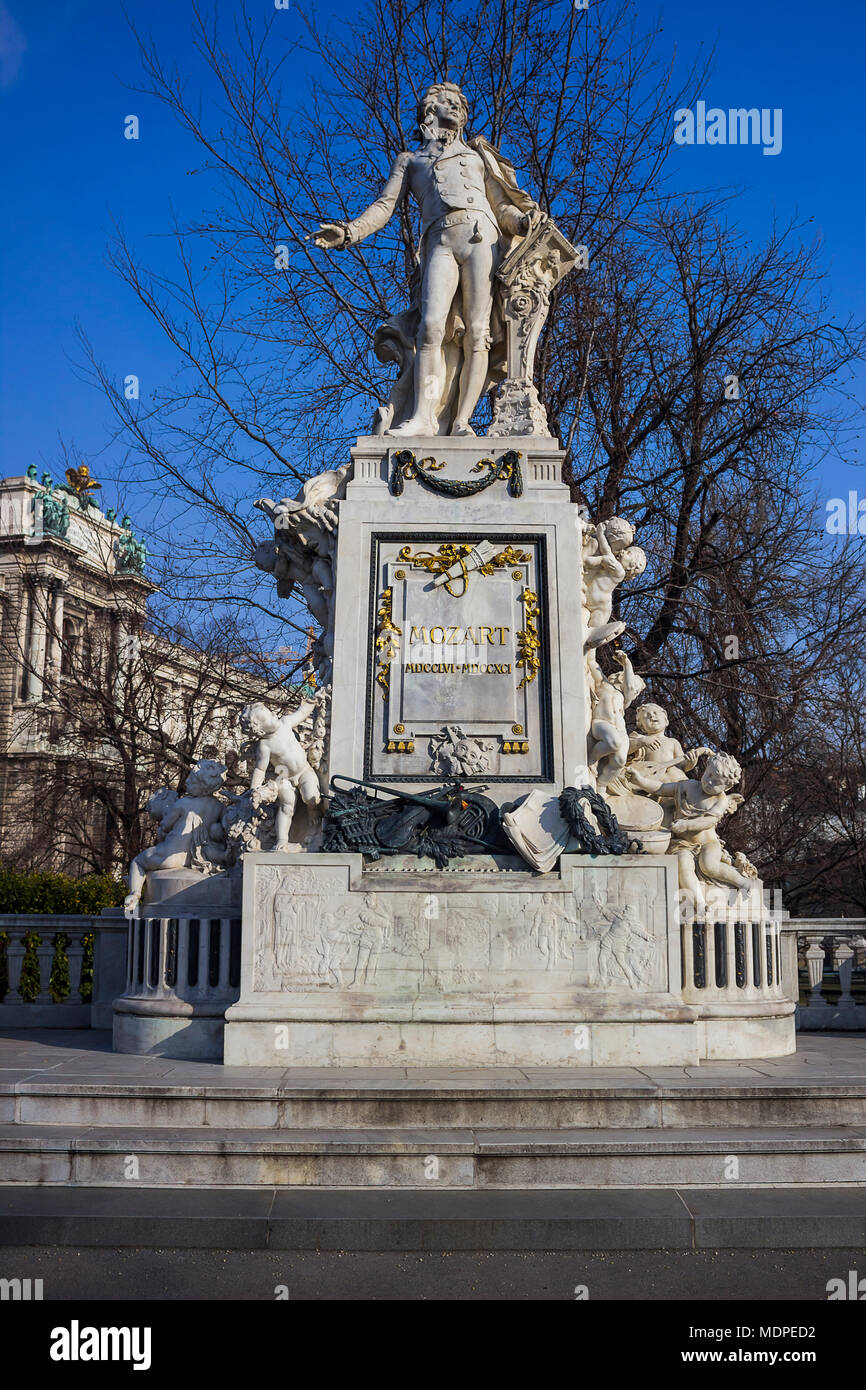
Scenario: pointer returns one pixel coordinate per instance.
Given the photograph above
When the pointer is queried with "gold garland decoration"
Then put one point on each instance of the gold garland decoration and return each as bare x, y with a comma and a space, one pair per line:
385, 641
528, 640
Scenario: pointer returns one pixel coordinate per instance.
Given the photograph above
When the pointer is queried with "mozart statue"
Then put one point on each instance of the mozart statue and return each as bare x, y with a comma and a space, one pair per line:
450, 345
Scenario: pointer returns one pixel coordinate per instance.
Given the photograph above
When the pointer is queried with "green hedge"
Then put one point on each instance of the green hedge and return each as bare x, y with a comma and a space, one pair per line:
59, 981
47, 892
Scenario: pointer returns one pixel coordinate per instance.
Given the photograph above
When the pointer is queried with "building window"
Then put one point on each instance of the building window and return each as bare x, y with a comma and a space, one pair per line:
70, 653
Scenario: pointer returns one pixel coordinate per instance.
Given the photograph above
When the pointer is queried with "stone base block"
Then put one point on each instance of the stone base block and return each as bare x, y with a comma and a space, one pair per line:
347, 965
358, 1044
185, 1038
731, 1039
817, 1018
184, 892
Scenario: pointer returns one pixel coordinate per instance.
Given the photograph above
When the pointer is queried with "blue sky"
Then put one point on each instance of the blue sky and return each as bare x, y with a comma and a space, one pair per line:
69, 171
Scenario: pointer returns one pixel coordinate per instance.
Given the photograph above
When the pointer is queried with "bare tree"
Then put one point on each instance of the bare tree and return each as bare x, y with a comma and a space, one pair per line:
694, 378
114, 702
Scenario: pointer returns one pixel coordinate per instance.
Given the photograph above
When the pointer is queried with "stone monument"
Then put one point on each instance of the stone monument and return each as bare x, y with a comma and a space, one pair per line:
459, 855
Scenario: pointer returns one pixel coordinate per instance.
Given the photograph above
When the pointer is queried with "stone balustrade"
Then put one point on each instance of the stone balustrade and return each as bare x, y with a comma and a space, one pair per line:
178, 975
182, 973
830, 950
734, 954
38, 1006
738, 971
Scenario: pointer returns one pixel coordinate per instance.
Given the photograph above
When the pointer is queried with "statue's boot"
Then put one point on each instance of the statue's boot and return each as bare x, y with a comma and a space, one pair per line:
472, 381
417, 426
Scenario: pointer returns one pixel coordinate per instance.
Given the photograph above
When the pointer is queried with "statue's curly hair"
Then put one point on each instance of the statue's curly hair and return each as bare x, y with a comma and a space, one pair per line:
442, 87
207, 774
726, 765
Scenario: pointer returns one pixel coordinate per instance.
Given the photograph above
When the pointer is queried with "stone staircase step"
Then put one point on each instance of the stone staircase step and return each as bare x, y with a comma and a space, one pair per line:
428, 1159
349, 1101
830, 1218
320, 1219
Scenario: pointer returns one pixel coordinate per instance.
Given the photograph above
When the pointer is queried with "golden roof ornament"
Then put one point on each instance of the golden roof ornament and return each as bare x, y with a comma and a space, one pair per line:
79, 482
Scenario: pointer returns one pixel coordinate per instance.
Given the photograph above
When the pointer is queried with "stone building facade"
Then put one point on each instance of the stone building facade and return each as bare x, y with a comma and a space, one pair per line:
91, 700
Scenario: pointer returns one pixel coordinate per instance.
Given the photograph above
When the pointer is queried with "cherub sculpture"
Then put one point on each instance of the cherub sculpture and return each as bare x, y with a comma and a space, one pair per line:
655, 755
278, 748
607, 745
693, 812
188, 826
303, 551
609, 558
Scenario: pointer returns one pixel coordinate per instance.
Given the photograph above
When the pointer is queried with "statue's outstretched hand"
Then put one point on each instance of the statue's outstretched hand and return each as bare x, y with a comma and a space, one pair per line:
331, 236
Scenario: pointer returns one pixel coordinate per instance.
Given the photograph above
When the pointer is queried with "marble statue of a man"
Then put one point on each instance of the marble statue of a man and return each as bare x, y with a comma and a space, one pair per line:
471, 212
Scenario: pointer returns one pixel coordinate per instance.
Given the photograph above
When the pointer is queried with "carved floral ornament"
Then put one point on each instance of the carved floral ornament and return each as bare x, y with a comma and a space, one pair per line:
506, 469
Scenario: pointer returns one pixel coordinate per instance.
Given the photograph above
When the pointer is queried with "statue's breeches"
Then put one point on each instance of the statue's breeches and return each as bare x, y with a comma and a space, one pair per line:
465, 255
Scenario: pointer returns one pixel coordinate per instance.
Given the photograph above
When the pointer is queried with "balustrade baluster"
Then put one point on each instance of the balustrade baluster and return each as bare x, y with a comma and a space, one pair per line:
767, 934
162, 956
151, 931
687, 946
730, 952
225, 951
15, 953
182, 964
130, 953
44, 958
815, 967
204, 930
75, 957
843, 958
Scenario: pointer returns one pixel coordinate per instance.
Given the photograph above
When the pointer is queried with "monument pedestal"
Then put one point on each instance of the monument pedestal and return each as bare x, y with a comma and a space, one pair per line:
458, 656
486, 964
494, 653
183, 966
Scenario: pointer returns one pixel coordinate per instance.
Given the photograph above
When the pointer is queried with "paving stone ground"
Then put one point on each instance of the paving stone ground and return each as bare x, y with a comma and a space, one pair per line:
34, 1054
